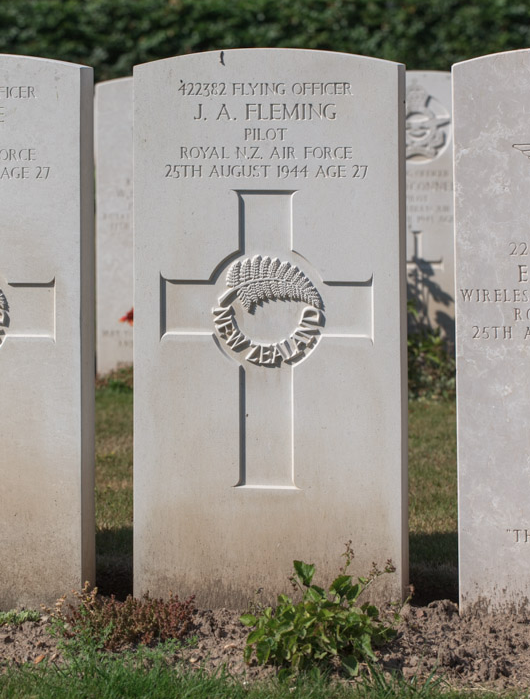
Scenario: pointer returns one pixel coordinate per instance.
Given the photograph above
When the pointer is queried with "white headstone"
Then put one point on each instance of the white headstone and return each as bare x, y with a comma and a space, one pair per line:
269, 320
430, 237
492, 214
114, 235
47, 337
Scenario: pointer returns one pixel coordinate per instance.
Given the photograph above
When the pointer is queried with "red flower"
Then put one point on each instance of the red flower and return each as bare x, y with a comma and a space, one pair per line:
128, 317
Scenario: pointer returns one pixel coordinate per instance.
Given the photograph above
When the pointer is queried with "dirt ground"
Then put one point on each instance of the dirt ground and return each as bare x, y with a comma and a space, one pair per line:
475, 650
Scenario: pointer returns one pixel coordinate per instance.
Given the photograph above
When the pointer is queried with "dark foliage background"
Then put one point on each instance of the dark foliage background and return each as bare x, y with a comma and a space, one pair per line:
113, 35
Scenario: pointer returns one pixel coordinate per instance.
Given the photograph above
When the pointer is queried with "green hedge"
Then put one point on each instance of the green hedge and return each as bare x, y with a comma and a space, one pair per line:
113, 35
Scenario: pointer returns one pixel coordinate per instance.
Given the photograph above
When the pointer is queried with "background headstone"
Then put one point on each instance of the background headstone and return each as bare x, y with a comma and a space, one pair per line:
270, 369
492, 214
47, 333
114, 234
430, 237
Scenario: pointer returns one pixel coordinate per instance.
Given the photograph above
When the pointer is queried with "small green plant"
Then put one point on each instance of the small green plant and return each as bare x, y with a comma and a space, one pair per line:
431, 364
16, 617
323, 626
112, 624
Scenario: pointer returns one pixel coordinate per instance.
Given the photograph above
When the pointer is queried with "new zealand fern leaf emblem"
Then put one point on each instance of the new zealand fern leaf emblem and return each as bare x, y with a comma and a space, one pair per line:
259, 279
4, 306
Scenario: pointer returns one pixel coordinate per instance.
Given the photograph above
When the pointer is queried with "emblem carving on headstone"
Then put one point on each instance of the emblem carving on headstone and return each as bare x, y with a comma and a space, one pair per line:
523, 148
255, 280
4, 317
425, 135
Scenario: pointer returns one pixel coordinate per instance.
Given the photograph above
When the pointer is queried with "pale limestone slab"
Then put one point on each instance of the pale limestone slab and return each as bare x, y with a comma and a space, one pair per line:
492, 210
268, 430
47, 337
114, 231
430, 230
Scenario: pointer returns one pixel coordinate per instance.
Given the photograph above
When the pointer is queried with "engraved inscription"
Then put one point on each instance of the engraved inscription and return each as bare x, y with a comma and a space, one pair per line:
266, 150
513, 301
121, 338
18, 92
14, 92
288, 350
255, 280
19, 164
264, 89
519, 536
425, 135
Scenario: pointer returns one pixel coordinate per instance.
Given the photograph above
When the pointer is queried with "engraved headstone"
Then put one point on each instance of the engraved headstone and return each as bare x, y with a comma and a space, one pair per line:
46, 337
430, 237
114, 235
492, 211
269, 320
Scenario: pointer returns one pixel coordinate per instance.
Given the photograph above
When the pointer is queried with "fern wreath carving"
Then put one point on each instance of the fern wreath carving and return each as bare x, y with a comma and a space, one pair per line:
4, 307
259, 279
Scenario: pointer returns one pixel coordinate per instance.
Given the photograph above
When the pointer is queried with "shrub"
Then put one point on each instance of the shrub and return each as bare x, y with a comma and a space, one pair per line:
432, 370
114, 624
431, 364
114, 35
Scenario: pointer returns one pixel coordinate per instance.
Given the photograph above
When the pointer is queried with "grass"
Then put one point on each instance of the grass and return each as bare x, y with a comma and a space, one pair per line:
114, 493
150, 673
433, 500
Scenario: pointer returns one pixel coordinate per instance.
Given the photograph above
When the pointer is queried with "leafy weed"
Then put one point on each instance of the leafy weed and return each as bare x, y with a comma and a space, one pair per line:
323, 626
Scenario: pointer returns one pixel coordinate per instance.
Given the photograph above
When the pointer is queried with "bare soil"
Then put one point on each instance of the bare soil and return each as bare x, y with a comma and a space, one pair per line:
476, 650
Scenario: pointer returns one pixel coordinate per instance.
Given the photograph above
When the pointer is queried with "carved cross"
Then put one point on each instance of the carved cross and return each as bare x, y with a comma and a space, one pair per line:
27, 310
270, 329
418, 266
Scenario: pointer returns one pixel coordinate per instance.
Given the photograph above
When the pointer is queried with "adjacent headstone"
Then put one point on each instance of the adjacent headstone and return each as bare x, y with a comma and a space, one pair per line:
269, 321
47, 336
114, 234
430, 237
492, 214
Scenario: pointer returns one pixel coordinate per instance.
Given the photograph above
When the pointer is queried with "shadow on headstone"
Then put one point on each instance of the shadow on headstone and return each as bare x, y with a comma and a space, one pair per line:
421, 288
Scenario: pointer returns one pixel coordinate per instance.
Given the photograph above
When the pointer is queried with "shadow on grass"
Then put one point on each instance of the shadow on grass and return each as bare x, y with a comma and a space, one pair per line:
434, 566
114, 561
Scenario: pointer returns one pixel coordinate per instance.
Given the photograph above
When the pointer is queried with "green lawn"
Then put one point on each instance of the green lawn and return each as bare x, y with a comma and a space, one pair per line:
147, 675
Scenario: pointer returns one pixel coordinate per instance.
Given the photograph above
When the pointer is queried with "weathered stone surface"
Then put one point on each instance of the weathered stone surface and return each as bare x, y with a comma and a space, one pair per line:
269, 321
47, 336
430, 237
114, 234
492, 210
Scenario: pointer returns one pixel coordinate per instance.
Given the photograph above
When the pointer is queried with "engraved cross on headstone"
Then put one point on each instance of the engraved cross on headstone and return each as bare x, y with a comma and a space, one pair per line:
27, 310
268, 391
